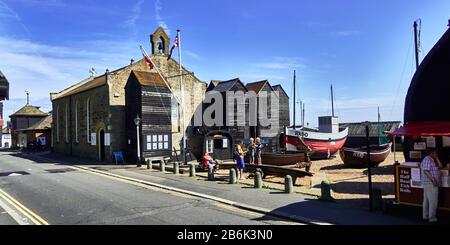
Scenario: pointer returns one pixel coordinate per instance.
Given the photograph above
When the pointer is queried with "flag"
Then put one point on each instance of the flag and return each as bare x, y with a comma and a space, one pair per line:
147, 59
175, 45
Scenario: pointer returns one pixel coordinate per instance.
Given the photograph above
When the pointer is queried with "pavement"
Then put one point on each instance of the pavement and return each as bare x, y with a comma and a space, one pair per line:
40, 191
273, 203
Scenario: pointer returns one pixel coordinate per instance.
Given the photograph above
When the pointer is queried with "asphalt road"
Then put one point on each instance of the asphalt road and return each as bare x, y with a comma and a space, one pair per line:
64, 196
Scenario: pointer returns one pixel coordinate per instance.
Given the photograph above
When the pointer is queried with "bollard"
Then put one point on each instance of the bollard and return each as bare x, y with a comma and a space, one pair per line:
288, 185
176, 168
326, 192
211, 176
377, 200
233, 178
149, 164
162, 166
258, 180
192, 170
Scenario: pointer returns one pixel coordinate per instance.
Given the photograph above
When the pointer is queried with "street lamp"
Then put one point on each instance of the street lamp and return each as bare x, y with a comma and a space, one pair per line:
137, 121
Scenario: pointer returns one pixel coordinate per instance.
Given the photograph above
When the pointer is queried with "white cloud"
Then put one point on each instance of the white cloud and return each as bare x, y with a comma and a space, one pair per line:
7, 12
192, 55
346, 33
159, 19
42, 68
283, 63
130, 22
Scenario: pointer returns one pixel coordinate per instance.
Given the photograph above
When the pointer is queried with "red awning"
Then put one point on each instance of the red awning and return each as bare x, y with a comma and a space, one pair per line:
423, 129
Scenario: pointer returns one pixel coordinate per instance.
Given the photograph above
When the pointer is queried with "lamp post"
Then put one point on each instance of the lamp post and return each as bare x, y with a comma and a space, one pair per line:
369, 166
137, 121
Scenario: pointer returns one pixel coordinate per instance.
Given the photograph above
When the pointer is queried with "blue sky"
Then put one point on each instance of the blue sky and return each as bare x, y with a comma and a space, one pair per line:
364, 48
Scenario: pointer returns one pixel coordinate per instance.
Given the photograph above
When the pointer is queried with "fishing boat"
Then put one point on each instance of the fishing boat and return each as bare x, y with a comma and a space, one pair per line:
357, 157
324, 142
281, 159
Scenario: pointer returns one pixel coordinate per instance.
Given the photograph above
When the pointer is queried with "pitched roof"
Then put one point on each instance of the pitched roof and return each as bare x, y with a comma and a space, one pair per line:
44, 124
4, 87
6, 130
227, 85
359, 129
281, 89
94, 83
89, 83
149, 79
257, 86
31, 111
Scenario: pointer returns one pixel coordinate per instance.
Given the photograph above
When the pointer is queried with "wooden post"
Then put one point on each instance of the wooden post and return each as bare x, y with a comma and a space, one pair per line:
258, 180
288, 185
211, 176
176, 168
192, 172
233, 178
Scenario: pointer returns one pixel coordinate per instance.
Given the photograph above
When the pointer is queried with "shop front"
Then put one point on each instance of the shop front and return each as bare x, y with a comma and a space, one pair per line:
420, 138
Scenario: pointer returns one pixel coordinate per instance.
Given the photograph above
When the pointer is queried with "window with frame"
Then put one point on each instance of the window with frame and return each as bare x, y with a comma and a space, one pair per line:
88, 120
77, 138
158, 142
210, 146
57, 124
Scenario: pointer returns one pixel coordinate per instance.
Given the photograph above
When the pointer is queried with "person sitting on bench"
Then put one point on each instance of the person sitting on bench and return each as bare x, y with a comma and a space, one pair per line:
208, 162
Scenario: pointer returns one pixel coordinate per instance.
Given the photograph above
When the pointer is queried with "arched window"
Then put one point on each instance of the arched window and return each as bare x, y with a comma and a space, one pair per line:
77, 138
57, 124
176, 118
88, 120
161, 45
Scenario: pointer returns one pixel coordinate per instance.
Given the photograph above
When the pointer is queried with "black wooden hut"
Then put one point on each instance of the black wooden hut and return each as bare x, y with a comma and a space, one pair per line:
219, 140
148, 97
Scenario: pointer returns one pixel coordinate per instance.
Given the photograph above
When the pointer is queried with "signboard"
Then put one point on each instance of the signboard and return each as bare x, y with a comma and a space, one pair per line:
409, 193
420, 146
431, 142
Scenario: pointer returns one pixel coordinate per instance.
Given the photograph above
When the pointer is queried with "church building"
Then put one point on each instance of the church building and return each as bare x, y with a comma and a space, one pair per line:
90, 117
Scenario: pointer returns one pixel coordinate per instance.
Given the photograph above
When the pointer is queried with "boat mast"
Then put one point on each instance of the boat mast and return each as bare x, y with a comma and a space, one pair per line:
379, 126
332, 101
417, 41
303, 114
295, 99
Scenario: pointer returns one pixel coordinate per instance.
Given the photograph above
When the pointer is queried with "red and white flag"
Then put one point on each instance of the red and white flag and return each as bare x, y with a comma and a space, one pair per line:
176, 43
147, 59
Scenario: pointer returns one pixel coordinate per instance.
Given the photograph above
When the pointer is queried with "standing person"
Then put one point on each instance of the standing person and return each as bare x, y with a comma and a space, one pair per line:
240, 159
251, 151
258, 149
431, 181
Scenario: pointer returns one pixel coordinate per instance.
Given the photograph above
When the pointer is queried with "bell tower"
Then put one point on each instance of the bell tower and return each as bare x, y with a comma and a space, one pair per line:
160, 42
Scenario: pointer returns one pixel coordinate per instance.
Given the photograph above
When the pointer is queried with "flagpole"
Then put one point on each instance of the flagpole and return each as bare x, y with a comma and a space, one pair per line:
160, 74
182, 99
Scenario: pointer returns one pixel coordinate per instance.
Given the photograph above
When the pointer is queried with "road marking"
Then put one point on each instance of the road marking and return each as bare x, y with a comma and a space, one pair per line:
36, 219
